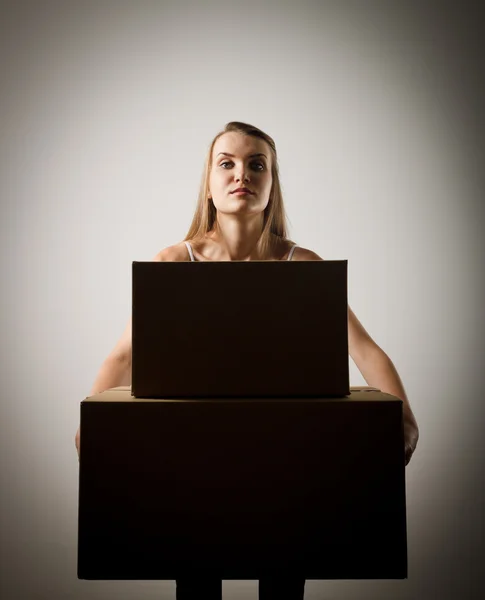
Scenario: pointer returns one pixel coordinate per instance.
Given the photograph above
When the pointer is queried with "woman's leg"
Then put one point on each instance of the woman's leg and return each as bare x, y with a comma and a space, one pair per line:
281, 588
199, 589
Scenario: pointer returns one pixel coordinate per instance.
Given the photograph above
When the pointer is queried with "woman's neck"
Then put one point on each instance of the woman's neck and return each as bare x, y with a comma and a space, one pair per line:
235, 238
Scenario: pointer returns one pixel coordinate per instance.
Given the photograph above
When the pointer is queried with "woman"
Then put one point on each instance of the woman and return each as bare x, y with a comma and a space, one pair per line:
240, 216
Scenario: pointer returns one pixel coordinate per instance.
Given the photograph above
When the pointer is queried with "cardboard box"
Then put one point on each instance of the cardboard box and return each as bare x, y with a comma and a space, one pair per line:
260, 328
242, 488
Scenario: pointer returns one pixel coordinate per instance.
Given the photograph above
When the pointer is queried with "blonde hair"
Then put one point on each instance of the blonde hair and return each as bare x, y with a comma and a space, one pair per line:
274, 219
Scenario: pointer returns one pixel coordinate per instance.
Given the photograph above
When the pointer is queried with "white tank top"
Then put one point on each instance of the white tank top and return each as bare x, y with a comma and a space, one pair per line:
192, 257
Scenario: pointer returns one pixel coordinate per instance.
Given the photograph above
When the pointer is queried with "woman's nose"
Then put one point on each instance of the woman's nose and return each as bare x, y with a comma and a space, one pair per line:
242, 177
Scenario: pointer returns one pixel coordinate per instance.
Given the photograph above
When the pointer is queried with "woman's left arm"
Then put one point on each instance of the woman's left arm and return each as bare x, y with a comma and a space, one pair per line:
379, 371
376, 367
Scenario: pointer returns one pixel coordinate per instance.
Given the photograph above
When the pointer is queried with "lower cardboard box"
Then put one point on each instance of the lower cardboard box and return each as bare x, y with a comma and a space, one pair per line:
242, 488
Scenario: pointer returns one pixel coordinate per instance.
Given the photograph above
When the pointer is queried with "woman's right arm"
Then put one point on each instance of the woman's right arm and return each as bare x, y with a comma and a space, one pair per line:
116, 369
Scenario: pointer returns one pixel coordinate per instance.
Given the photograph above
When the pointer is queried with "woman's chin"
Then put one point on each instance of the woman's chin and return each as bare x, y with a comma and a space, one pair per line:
241, 207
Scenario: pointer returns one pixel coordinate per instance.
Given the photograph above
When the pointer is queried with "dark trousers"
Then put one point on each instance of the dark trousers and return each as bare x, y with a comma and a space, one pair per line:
281, 588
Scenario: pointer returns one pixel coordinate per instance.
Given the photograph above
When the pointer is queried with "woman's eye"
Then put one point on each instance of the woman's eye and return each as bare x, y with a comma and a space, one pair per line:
258, 164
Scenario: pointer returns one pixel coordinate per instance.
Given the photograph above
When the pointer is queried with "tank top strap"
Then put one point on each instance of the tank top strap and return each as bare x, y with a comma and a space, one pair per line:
191, 253
290, 255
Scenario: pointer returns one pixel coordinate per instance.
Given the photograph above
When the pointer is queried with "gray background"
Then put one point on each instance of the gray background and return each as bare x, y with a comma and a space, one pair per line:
107, 110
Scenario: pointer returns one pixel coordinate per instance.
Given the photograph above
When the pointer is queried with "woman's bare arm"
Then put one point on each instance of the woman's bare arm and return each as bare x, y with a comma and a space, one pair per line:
116, 368
379, 371
113, 372
375, 366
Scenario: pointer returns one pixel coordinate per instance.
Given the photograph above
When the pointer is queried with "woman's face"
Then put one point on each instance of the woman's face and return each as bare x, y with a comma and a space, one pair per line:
240, 161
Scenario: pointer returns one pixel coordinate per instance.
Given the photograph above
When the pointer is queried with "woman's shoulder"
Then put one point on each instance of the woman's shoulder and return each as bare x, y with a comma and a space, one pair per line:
176, 253
301, 253
282, 248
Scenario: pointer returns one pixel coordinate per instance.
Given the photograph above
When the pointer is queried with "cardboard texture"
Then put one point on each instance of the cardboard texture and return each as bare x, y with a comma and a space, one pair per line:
242, 488
260, 328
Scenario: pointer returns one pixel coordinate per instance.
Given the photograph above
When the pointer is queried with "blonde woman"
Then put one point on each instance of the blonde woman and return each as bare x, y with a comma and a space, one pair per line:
240, 216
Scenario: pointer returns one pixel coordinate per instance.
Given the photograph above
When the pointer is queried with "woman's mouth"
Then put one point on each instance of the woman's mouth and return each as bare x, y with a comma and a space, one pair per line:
241, 191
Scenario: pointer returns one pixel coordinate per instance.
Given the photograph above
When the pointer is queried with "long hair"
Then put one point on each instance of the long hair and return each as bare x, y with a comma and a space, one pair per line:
274, 219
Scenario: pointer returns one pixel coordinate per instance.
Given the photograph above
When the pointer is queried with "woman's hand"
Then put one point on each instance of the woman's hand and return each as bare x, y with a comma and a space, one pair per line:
77, 441
411, 436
